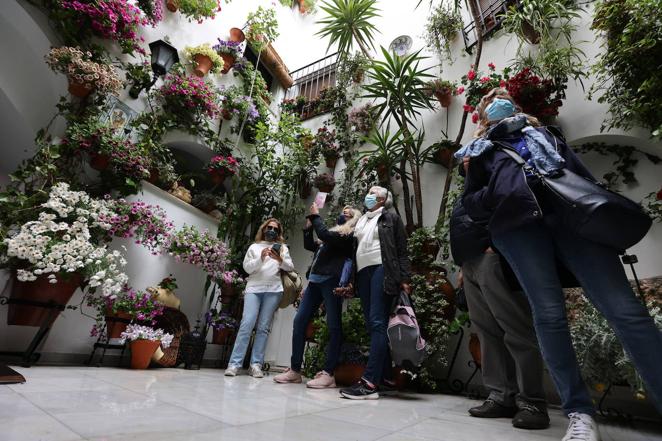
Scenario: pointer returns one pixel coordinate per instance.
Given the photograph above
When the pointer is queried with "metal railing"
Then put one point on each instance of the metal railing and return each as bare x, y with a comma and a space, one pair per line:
310, 81
491, 18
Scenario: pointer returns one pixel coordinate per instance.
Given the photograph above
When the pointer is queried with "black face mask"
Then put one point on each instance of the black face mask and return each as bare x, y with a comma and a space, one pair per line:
341, 219
270, 235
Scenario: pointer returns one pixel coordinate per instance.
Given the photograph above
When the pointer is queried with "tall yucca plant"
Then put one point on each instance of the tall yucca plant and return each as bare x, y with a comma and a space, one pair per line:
348, 23
398, 87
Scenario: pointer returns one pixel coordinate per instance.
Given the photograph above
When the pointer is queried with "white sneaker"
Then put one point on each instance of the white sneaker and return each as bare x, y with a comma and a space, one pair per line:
582, 427
231, 371
255, 371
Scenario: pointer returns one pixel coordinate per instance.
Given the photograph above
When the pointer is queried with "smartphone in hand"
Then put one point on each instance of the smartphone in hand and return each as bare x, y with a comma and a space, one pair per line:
320, 199
276, 248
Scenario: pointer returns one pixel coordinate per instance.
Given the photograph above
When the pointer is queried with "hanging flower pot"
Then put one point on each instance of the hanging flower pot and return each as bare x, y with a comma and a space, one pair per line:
228, 293
530, 34
382, 172
99, 161
218, 176
80, 90
142, 351
172, 5
40, 290
153, 176
347, 374
221, 336
444, 154
444, 96
228, 62
474, 349
115, 328
331, 161
305, 189
203, 65
311, 329
237, 35
358, 75
226, 114
327, 188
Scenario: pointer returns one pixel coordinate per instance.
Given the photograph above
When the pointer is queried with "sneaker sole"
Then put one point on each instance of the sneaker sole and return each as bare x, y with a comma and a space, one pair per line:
230, 375
374, 396
531, 426
299, 381
331, 386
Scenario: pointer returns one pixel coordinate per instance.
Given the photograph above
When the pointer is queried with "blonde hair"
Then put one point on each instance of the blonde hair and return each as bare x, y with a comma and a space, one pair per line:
259, 237
484, 123
348, 227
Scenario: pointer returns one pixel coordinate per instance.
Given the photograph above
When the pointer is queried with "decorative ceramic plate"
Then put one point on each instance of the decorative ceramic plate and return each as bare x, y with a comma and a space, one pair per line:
401, 45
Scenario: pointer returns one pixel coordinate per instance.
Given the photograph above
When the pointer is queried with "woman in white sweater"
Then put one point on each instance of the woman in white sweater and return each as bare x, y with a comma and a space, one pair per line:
263, 262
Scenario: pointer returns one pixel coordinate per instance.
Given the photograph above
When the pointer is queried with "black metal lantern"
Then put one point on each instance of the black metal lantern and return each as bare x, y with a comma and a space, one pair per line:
164, 56
192, 348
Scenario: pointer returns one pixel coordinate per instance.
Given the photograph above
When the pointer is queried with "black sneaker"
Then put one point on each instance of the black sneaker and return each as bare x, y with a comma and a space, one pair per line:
387, 388
492, 409
360, 391
531, 417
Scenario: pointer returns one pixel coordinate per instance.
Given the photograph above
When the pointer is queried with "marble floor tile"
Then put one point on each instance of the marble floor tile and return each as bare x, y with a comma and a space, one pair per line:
35, 427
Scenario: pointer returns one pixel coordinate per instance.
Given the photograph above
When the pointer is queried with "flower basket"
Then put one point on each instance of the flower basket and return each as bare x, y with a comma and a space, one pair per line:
172, 5
202, 65
80, 90
142, 351
222, 336
331, 161
115, 328
347, 374
228, 293
530, 34
228, 61
98, 161
40, 290
444, 96
237, 35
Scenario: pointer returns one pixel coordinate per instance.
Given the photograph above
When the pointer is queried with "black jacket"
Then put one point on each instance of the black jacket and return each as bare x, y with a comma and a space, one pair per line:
469, 239
395, 259
496, 188
331, 254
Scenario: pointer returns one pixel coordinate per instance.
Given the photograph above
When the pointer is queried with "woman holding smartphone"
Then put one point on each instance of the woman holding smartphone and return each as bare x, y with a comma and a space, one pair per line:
263, 262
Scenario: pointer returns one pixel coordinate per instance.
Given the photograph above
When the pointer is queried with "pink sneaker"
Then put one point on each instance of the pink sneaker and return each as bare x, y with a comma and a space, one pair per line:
289, 376
322, 380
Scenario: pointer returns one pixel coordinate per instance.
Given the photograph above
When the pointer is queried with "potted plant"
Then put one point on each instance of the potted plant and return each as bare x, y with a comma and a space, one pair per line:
231, 284
443, 152
223, 325
207, 201
476, 85
356, 65
536, 96
220, 167
128, 305
197, 10
139, 76
188, 99
262, 28
200, 249
61, 250
325, 182
325, 143
230, 51
237, 35
235, 103
306, 6
422, 247
153, 10
362, 119
442, 27
443, 90
84, 75
144, 341
204, 59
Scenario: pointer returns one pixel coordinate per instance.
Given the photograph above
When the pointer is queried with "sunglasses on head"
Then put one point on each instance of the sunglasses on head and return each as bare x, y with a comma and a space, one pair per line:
270, 228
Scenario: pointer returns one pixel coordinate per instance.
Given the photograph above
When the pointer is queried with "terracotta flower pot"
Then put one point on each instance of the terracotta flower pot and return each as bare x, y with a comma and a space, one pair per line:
99, 161
444, 156
326, 188
382, 172
228, 62
221, 336
115, 328
237, 35
347, 374
474, 349
226, 114
227, 293
218, 176
302, 7
39, 290
311, 329
142, 351
81, 90
444, 96
203, 65
172, 5
153, 176
331, 161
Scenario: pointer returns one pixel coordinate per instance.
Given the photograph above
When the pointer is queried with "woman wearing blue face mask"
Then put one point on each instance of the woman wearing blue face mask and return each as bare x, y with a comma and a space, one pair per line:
263, 262
334, 247
382, 268
524, 228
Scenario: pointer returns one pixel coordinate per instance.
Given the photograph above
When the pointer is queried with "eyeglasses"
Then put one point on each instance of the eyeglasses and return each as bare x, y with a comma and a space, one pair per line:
271, 228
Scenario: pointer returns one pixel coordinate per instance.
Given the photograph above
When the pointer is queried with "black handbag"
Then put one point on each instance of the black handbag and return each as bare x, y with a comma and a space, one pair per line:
590, 210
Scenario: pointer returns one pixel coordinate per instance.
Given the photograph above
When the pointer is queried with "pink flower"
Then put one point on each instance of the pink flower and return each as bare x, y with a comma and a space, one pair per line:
491, 66
474, 118
460, 90
471, 75
468, 108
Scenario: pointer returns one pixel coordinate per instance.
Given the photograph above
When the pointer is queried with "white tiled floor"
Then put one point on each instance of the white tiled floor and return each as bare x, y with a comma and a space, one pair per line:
107, 404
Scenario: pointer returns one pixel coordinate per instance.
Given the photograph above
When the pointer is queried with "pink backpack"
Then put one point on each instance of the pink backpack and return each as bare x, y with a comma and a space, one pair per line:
404, 335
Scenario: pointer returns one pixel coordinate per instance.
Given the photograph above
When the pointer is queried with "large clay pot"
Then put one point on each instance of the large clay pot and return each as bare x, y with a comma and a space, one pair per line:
347, 374
203, 65
444, 96
115, 328
142, 351
172, 5
331, 161
237, 35
228, 62
40, 290
81, 90
221, 336
474, 349
227, 293
99, 161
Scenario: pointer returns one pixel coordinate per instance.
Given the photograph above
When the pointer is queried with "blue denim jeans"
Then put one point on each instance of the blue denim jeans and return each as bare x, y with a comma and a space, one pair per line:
260, 308
315, 294
531, 252
376, 310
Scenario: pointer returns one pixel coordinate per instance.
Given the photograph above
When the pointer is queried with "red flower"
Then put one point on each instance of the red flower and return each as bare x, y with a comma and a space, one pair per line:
474, 118
460, 90
491, 66
471, 75
659, 195
468, 108
484, 80
502, 83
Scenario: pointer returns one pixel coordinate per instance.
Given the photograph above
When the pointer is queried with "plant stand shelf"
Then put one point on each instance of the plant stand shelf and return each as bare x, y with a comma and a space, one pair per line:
103, 342
29, 356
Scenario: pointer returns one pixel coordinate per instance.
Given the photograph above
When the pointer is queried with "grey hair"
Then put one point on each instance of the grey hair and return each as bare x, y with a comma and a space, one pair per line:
383, 193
